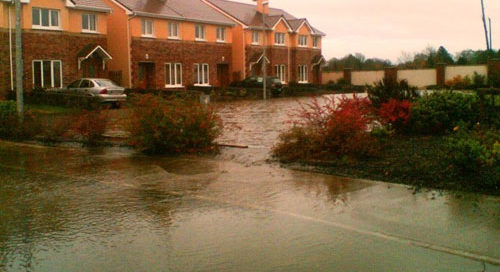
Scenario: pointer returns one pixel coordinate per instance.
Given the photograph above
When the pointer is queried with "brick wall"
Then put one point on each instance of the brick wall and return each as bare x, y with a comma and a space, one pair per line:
4, 61
49, 45
303, 56
276, 55
160, 52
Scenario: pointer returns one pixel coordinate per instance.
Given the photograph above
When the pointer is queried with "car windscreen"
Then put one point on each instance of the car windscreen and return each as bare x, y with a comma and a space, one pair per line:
105, 83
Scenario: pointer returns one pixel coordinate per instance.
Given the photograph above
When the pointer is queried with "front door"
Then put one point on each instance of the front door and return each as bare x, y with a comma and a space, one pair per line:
317, 75
146, 75
223, 75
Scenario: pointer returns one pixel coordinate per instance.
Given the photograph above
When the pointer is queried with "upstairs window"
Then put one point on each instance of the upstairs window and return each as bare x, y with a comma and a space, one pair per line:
45, 18
279, 38
303, 75
221, 34
89, 22
147, 28
255, 37
200, 32
173, 30
302, 40
316, 42
201, 74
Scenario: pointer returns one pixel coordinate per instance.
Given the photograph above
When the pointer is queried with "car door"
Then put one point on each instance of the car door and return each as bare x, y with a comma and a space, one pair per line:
85, 87
73, 87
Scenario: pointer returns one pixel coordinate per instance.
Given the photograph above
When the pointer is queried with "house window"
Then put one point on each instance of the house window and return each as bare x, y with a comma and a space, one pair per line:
147, 28
280, 72
316, 42
255, 37
173, 75
201, 74
279, 38
221, 34
89, 22
47, 74
303, 75
200, 32
302, 40
45, 18
173, 30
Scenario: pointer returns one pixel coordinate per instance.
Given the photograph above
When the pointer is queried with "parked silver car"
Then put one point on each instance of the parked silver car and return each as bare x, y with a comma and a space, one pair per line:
104, 89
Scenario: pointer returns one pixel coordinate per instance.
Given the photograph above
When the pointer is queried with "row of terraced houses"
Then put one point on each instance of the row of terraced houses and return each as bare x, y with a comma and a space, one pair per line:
157, 44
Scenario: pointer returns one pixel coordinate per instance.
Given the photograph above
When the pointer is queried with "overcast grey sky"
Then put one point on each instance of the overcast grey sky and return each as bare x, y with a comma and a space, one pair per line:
386, 28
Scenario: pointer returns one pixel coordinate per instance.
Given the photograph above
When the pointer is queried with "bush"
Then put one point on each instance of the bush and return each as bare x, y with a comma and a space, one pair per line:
386, 90
9, 123
478, 81
442, 111
396, 113
330, 131
173, 126
459, 83
90, 125
473, 156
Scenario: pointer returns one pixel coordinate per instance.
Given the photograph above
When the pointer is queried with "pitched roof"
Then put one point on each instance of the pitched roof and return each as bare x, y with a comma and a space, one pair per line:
247, 14
190, 10
91, 4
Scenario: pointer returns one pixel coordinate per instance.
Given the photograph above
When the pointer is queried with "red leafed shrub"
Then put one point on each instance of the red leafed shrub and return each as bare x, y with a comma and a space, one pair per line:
173, 126
90, 125
330, 129
396, 113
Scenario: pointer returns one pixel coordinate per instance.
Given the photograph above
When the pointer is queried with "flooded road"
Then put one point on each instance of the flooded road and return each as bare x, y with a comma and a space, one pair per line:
64, 209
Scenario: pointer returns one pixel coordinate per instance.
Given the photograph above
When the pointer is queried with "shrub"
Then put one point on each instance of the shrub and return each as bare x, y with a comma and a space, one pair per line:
172, 126
9, 123
473, 156
396, 113
90, 125
330, 131
478, 81
442, 111
459, 82
386, 90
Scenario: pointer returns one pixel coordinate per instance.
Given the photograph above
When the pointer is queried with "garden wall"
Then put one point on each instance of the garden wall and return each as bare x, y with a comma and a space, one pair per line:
361, 78
463, 71
418, 77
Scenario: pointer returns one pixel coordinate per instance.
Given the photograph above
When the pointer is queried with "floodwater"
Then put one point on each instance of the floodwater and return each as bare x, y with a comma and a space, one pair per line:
69, 209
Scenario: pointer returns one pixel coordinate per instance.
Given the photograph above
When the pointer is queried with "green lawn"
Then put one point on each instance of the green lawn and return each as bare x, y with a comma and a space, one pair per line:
49, 110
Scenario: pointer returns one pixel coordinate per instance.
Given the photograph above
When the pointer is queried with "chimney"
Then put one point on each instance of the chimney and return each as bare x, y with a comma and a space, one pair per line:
263, 6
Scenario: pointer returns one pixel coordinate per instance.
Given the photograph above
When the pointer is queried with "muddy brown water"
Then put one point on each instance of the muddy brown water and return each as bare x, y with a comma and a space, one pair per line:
71, 209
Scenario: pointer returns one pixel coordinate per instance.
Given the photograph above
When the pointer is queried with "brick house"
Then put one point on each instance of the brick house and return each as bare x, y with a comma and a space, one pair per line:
293, 46
62, 41
170, 44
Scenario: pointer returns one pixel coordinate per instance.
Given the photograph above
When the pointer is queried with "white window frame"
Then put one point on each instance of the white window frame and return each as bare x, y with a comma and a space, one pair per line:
255, 37
200, 69
279, 38
280, 71
51, 72
221, 34
316, 42
303, 74
303, 41
88, 30
144, 28
50, 26
170, 31
200, 29
173, 81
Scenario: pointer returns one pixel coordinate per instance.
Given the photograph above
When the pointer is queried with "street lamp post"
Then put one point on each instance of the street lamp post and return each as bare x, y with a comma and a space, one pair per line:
264, 70
19, 62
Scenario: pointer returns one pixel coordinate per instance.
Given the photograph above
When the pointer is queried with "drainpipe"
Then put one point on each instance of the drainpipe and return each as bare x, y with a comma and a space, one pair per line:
10, 52
129, 49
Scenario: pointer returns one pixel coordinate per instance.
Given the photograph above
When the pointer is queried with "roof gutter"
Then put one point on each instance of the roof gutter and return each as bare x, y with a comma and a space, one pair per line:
97, 9
161, 16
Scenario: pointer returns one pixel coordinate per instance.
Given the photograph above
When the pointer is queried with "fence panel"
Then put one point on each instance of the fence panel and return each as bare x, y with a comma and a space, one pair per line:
419, 78
361, 78
463, 71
